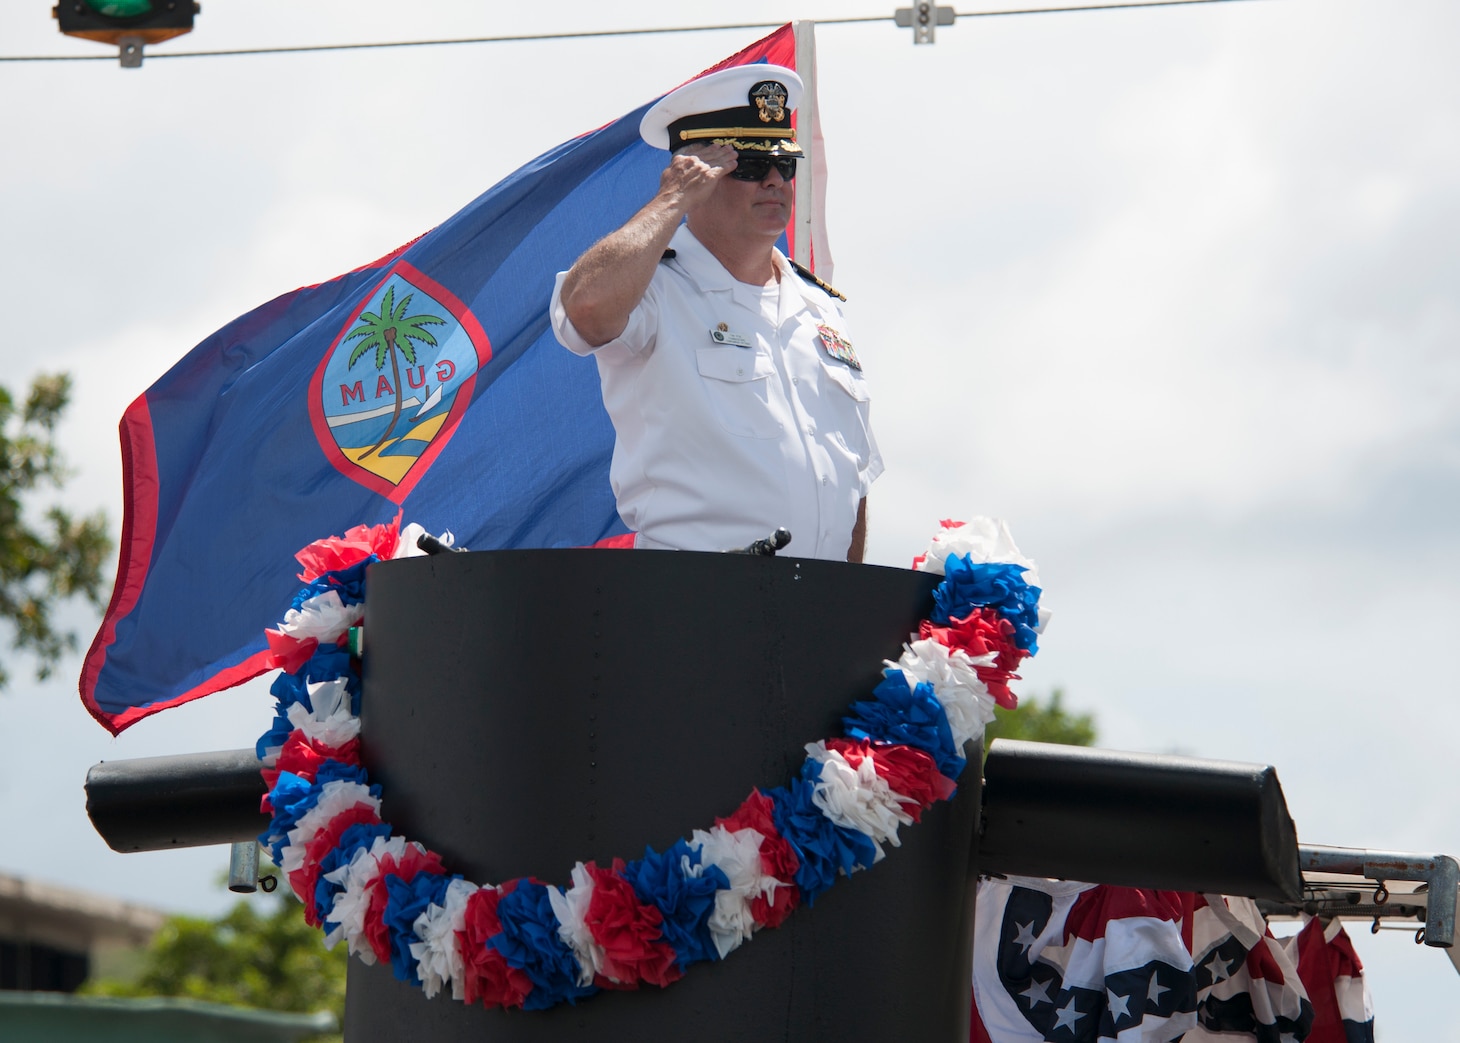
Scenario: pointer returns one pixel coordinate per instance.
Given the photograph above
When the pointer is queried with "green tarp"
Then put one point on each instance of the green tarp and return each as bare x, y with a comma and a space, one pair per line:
54, 1017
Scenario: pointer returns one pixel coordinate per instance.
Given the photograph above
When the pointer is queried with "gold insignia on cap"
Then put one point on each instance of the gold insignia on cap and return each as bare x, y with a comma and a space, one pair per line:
769, 99
745, 138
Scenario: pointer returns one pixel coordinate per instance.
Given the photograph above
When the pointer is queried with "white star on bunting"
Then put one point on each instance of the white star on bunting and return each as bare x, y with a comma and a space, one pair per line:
1067, 1015
1153, 994
1025, 937
1037, 993
1119, 1005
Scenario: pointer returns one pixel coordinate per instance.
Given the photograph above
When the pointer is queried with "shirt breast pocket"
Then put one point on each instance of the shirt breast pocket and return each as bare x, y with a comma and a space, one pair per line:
737, 385
846, 400
846, 378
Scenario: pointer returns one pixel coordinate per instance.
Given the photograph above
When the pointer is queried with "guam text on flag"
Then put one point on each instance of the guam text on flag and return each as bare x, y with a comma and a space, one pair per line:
428, 380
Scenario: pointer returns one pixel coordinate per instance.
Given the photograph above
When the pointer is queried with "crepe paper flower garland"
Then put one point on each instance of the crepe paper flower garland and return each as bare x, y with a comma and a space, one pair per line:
529, 944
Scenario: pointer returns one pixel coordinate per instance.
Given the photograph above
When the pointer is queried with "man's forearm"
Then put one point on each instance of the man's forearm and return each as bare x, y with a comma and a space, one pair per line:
858, 548
607, 283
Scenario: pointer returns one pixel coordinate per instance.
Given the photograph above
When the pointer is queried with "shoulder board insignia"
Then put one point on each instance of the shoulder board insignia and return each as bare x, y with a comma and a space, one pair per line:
807, 274
669, 255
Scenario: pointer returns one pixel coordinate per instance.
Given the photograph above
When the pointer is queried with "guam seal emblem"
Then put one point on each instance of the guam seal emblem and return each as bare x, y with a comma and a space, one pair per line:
389, 394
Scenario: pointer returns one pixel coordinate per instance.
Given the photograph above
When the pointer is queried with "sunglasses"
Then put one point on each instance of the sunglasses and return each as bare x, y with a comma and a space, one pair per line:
755, 168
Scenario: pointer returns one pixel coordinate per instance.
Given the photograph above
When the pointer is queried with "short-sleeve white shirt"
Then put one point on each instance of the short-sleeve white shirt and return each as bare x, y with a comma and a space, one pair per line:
721, 439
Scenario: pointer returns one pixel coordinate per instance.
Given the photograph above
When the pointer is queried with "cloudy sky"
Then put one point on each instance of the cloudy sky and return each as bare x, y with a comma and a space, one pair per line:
1173, 291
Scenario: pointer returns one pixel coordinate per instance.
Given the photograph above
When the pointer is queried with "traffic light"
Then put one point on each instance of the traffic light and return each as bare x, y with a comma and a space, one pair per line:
130, 24
923, 17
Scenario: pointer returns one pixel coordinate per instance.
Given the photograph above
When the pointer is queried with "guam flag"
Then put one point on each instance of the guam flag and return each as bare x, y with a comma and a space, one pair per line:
427, 382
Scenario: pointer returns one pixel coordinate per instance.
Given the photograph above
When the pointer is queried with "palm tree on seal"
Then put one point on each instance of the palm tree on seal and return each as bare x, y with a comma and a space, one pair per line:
388, 333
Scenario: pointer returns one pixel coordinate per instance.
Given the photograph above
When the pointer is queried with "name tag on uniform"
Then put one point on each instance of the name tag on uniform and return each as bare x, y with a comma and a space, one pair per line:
837, 346
740, 340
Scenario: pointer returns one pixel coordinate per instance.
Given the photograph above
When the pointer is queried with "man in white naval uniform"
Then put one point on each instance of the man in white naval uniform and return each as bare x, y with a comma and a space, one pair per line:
737, 401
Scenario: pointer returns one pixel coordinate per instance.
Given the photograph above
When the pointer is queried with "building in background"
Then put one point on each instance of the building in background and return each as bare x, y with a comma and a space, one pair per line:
52, 939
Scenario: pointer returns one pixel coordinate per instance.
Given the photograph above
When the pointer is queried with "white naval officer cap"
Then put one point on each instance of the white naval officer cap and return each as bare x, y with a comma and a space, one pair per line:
745, 106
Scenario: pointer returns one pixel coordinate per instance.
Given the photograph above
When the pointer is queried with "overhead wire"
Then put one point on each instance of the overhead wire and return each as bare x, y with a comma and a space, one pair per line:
586, 34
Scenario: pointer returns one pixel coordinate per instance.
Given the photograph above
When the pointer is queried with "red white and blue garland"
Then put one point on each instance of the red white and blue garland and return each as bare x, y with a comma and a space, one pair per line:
533, 945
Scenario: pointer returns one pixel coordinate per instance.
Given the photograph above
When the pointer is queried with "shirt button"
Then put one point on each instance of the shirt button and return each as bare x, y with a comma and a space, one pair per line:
810, 430
795, 380
824, 479
740, 372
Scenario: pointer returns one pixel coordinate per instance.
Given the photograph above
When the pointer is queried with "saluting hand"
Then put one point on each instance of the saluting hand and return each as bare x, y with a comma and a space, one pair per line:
693, 172
605, 285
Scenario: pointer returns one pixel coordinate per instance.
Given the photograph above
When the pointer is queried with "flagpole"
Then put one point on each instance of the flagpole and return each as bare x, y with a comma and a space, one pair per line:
805, 231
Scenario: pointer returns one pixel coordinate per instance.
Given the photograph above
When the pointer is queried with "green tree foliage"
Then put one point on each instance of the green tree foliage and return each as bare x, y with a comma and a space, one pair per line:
259, 954
1042, 722
62, 558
